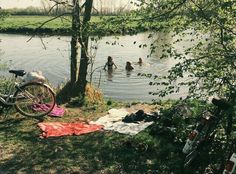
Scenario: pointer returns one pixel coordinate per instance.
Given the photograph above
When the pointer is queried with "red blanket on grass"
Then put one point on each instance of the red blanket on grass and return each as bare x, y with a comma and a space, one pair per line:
55, 129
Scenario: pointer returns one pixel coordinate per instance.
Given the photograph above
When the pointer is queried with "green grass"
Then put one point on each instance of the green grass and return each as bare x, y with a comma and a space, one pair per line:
35, 21
23, 151
157, 149
28, 24
101, 152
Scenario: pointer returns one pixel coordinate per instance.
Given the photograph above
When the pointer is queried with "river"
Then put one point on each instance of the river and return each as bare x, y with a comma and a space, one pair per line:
51, 56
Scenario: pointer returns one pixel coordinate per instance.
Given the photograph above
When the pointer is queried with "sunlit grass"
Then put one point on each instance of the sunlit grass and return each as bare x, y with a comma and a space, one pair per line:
62, 25
36, 21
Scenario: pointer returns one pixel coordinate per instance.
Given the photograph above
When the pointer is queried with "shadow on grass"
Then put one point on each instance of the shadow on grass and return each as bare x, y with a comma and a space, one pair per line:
98, 152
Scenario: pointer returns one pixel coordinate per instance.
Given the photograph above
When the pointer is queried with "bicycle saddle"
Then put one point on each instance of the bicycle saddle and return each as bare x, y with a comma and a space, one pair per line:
18, 72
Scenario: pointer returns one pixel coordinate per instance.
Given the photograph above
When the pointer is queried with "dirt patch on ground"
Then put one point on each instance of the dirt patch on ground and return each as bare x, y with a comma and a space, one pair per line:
147, 108
88, 114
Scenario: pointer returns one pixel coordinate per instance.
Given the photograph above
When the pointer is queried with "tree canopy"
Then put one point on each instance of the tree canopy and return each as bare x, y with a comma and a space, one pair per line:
208, 63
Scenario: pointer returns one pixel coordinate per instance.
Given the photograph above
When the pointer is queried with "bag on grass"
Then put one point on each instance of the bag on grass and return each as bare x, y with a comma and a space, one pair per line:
34, 76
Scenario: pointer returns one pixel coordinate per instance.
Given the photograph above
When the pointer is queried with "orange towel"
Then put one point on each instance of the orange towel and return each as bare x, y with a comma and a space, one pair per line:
55, 129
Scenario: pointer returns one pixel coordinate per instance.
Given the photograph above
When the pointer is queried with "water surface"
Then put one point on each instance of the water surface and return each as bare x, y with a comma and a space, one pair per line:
51, 56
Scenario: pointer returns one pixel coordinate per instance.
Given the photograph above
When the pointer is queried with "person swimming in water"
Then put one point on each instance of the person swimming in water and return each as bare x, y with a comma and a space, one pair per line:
128, 66
109, 64
140, 61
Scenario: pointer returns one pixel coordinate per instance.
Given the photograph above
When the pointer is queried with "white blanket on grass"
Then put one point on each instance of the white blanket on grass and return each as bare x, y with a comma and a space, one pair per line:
113, 121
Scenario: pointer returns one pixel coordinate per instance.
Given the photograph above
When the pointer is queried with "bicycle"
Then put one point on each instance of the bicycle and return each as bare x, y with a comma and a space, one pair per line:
200, 139
230, 164
32, 99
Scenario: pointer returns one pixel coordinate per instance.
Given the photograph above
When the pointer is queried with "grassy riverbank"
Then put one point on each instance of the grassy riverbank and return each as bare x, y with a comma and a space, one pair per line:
23, 151
33, 25
157, 149
28, 24
33, 21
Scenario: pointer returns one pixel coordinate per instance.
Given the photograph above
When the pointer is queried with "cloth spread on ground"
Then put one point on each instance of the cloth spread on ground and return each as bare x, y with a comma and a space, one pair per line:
56, 111
113, 121
55, 129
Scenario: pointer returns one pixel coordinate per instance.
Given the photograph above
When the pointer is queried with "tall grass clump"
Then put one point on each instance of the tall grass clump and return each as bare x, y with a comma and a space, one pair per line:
4, 84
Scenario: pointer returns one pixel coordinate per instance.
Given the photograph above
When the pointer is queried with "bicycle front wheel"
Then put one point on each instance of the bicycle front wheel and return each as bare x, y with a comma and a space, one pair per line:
34, 99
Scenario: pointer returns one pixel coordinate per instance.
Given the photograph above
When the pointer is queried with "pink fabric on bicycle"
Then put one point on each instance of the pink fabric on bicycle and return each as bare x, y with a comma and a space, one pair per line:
56, 111
56, 129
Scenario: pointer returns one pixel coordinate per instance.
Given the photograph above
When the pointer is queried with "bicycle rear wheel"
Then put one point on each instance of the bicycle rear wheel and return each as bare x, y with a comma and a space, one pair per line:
34, 99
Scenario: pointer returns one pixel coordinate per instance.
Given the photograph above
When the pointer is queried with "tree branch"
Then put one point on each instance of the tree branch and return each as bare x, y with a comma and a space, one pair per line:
42, 24
204, 16
170, 11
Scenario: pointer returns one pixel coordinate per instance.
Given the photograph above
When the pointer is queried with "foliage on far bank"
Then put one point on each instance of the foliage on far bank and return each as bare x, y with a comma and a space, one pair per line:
26, 24
62, 8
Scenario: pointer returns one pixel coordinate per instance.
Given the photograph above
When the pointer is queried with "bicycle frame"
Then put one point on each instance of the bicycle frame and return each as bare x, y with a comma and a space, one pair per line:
32, 98
203, 133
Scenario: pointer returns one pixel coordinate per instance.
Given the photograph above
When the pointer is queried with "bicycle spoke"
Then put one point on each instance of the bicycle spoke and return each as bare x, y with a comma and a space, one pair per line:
35, 100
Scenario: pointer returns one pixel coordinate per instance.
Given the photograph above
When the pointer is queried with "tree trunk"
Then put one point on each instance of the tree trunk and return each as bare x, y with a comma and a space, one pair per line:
80, 38
81, 82
74, 41
67, 91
